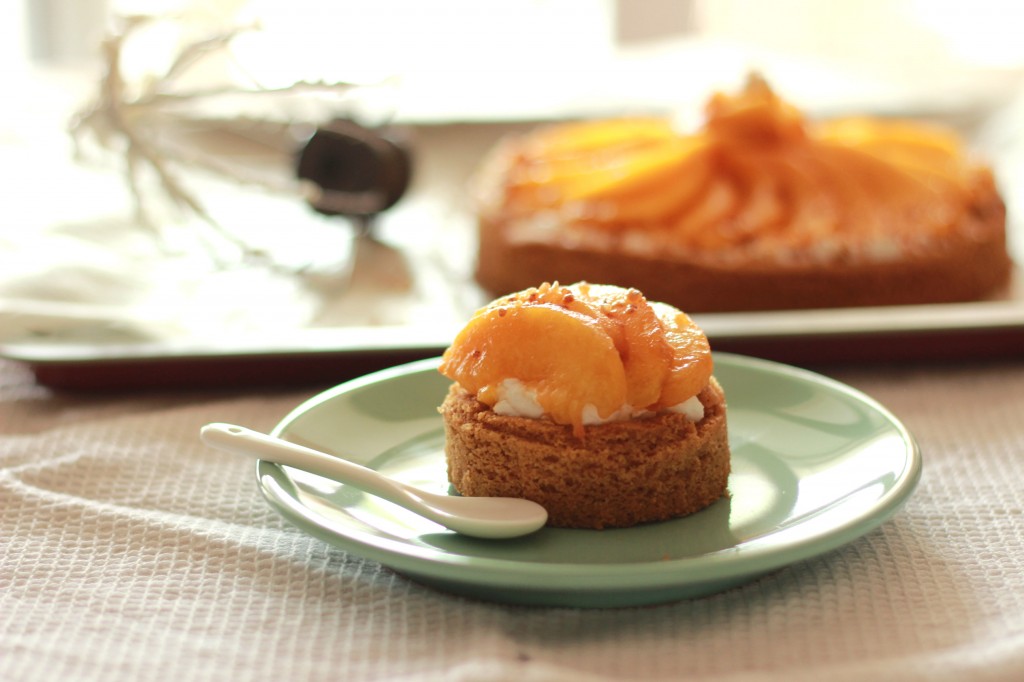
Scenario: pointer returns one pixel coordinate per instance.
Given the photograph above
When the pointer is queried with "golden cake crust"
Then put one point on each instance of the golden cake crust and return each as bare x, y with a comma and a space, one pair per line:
620, 474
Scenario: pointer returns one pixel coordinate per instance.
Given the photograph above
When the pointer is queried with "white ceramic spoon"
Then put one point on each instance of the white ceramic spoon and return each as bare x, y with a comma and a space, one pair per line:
482, 517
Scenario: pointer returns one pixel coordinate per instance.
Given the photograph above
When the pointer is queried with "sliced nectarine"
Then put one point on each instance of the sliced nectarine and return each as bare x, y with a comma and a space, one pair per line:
697, 226
887, 184
645, 352
762, 205
579, 346
660, 196
925, 141
578, 138
813, 209
692, 364
755, 173
564, 356
624, 172
756, 116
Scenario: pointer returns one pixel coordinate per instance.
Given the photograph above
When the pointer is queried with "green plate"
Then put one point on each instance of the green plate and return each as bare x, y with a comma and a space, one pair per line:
816, 464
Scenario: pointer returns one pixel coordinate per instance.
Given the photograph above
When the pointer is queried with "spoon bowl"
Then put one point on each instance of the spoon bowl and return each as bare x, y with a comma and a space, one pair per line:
481, 517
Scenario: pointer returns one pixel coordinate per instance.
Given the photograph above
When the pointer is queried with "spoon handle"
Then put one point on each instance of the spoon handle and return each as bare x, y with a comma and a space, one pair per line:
243, 441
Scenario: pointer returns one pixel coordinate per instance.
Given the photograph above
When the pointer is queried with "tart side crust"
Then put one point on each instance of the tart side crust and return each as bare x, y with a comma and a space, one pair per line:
620, 474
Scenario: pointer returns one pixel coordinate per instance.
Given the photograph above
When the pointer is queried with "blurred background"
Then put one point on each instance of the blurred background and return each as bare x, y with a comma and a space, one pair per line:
78, 261
510, 58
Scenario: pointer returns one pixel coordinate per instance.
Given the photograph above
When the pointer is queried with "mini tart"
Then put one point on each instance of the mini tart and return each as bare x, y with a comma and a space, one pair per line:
582, 398
759, 210
621, 474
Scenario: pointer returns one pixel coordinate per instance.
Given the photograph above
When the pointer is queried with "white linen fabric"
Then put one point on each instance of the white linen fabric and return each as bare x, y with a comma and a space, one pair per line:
130, 551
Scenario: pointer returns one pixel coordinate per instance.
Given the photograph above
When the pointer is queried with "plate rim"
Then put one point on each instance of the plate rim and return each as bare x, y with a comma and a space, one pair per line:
714, 567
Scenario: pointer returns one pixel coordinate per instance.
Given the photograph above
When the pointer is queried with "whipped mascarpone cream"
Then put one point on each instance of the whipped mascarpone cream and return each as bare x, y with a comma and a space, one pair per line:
516, 400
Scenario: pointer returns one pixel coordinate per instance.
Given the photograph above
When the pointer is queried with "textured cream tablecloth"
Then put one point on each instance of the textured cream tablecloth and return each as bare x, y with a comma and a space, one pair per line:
130, 551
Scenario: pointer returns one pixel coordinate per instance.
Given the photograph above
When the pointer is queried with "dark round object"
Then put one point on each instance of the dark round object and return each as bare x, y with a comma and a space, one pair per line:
359, 171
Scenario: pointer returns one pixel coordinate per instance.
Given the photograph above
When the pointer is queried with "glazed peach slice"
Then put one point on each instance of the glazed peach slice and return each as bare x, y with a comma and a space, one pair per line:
850, 190
625, 172
659, 193
842, 202
813, 208
756, 115
646, 354
575, 299
763, 200
565, 357
580, 138
692, 364
889, 185
581, 154
630, 323
934, 156
696, 226
901, 202
946, 179
934, 144
635, 183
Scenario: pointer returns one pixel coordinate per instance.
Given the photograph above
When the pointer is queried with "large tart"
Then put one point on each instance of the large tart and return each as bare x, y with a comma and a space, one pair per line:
759, 209
590, 400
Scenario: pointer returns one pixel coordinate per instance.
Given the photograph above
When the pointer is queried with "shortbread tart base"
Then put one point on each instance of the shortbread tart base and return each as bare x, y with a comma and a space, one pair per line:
620, 474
